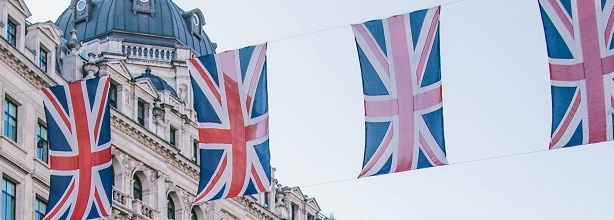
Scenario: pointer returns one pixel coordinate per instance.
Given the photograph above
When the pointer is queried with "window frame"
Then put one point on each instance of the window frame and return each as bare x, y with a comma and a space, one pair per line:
138, 196
170, 208
140, 112
113, 95
37, 208
294, 213
42, 153
13, 197
43, 60
193, 216
7, 104
172, 136
195, 150
11, 32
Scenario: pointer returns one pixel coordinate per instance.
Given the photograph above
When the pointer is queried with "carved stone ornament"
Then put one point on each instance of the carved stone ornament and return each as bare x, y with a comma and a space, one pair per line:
16, 64
148, 140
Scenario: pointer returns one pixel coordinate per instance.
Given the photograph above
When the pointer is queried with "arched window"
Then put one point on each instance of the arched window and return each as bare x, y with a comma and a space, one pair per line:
194, 217
113, 177
137, 189
171, 208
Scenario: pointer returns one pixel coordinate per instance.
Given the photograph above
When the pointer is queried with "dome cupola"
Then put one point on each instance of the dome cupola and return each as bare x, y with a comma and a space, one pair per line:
149, 22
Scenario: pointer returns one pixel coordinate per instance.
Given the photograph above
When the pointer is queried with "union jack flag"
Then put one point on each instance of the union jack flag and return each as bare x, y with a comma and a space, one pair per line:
401, 77
580, 50
80, 149
230, 98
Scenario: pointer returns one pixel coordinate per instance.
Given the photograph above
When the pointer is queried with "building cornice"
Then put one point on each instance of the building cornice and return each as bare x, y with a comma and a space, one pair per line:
23, 66
255, 209
170, 154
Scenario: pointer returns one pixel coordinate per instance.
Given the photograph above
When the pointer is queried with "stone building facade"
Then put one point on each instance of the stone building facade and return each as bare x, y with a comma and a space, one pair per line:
143, 46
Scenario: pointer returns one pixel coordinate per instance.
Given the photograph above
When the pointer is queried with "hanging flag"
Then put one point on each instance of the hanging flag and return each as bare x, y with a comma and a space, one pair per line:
80, 149
231, 101
401, 77
580, 50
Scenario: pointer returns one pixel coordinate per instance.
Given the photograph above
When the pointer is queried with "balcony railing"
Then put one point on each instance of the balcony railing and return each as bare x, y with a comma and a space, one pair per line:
143, 209
121, 198
148, 52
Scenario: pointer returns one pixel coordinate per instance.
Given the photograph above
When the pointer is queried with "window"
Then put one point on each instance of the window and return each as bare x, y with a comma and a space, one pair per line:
42, 59
113, 95
8, 199
194, 216
140, 111
195, 149
294, 212
42, 144
173, 136
266, 199
137, 189
81, 5
310, 217
113, 176
10, 120
11, 33
40, 207
171, 208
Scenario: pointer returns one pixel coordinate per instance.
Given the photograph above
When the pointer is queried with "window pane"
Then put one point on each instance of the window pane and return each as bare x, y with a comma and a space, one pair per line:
11, 33
42, 60
194, 216
8, 200
137, 189
141, 113
40, 209
10, 120
113, 95
173, 134
195, 151
171, 208
42, 144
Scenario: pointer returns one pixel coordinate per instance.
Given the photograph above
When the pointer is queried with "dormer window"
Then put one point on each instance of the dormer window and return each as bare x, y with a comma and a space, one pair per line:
43, 57
81, 5
143, 6
140, 113
83, 9
113, 95
194, 19
11, 33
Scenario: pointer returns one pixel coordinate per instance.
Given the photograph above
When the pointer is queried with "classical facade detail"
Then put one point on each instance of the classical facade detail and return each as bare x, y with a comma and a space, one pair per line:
12, 58
252, 206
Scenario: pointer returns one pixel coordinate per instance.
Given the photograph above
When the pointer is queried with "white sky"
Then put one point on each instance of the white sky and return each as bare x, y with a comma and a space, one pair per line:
496, 102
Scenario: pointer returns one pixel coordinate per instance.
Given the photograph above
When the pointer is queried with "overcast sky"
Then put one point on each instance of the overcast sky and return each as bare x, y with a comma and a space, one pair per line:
496, 96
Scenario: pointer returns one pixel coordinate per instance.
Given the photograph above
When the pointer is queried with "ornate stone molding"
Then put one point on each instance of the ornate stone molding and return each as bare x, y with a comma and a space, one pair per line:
18, 62
151, 142
255, 209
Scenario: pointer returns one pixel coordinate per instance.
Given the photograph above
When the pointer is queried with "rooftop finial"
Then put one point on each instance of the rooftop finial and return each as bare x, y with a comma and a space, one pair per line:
147, 71
73, 44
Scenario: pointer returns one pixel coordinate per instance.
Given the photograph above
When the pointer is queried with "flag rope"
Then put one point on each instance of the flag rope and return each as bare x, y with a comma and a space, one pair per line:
451, 164
336, 27
352, 179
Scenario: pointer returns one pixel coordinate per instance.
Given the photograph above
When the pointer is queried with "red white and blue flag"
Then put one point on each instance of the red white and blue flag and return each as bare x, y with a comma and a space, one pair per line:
579, 36
401, 76
231, 101
79, 128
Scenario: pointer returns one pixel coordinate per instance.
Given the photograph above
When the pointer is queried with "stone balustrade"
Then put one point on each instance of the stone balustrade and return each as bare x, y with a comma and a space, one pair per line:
121, 198
148, 52
143, 210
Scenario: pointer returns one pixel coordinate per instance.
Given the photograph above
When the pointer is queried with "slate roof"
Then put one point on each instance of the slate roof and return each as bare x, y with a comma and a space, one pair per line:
115, 18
